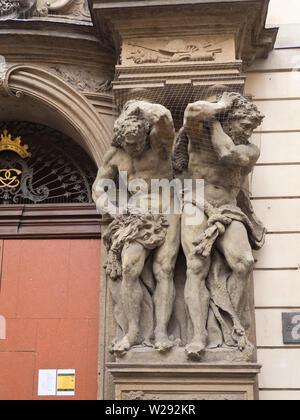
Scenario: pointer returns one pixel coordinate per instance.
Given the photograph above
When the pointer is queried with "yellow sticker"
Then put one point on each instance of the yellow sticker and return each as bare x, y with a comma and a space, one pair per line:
65, 382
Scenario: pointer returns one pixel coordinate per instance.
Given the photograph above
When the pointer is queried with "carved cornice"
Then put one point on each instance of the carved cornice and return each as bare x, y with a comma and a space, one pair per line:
141, 19
55, 42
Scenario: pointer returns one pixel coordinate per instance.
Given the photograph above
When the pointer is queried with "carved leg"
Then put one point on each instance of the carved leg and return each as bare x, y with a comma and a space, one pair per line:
133, 260
235, 246
196, 294
197, 299
163, 268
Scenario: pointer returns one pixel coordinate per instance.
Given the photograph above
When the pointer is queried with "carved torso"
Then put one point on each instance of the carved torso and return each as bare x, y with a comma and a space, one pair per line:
147, 167
222, 182
150, 166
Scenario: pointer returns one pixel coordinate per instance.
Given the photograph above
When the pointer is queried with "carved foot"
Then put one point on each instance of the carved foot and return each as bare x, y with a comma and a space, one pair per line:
239, 336
163, 343
195, 350
123, 345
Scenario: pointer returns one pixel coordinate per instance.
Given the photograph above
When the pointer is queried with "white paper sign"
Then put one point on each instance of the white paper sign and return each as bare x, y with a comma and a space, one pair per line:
47, 382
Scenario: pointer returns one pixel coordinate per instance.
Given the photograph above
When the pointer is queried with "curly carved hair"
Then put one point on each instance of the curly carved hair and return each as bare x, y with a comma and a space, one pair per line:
243, 108
135, 124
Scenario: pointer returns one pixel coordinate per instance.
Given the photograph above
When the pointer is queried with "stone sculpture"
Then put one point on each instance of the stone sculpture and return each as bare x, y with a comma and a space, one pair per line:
13, 9
214, 145
142, 248
208, 309
10, 9
174, 52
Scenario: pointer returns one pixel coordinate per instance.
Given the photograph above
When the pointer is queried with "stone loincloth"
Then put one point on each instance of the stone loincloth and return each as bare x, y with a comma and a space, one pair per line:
224, 319
146, 229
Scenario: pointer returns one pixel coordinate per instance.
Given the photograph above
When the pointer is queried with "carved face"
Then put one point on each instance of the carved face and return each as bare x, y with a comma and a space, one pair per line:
152, 234
241, 130
134, 142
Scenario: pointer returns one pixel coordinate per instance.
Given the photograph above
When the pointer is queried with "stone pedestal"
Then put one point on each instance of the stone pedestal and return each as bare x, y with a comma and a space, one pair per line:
205, 381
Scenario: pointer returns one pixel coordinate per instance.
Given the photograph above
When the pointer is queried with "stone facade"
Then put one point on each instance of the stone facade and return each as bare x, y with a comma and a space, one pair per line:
177, 71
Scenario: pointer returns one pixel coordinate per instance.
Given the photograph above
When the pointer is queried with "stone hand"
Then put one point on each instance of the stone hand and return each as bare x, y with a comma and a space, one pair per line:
227, 101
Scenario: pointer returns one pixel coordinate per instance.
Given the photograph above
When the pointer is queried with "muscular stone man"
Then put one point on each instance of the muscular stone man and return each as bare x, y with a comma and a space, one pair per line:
219, 152
142, 147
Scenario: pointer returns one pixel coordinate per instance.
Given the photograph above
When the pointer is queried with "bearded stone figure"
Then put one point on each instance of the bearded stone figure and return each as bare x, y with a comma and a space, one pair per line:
142, 247
203, 314
214, 145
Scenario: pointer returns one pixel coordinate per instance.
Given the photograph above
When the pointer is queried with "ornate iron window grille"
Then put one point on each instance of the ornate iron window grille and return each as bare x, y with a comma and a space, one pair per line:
55, 170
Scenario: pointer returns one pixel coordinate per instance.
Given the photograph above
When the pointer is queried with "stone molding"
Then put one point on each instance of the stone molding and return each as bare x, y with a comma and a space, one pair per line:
72, 109
142, 19
204, 381
55, 43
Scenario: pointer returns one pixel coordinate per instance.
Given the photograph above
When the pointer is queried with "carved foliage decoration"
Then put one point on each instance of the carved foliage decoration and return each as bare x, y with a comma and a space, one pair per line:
65, 7
9, 8
82, 79
12, 9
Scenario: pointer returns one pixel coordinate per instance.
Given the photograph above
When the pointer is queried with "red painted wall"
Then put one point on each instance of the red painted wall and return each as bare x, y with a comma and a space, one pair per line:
49, 297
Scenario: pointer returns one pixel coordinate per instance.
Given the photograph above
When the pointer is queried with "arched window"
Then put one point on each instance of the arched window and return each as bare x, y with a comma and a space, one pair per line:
39, 165
45, 184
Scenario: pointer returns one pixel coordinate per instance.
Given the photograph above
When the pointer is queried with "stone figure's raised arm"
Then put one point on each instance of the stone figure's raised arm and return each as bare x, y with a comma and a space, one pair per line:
198, 112
245, 155
162, 133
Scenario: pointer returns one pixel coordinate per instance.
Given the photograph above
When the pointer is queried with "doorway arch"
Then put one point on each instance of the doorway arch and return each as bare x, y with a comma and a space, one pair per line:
34, 94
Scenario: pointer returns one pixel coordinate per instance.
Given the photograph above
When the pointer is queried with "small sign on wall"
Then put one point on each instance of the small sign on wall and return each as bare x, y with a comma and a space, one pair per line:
60, 382
291, 327
65, 382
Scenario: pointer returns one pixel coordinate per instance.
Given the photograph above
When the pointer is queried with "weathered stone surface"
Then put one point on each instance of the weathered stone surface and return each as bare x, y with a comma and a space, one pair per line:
213, 145
206, 381
142, 248
207, 308
147, 19
10, 9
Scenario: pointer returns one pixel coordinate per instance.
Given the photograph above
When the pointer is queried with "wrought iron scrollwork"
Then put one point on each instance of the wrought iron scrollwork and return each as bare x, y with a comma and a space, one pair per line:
58, 170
